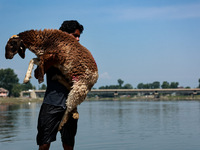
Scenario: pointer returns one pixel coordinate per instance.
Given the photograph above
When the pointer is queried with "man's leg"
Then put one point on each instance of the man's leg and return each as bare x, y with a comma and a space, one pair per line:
44, 147
48, 121
67, 147
68, 133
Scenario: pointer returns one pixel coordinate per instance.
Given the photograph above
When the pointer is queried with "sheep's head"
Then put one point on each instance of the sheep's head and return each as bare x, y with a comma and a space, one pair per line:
15, 45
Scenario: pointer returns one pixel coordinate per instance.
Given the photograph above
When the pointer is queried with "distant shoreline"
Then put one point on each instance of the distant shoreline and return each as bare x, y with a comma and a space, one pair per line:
12, 100
150, 98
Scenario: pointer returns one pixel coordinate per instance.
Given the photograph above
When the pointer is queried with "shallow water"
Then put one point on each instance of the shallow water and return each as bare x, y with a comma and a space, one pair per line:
111, 125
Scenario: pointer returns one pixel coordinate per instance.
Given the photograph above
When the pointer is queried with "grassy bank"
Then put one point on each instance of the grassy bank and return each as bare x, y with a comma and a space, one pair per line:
141, 98
195, 97
9, 100
150, 98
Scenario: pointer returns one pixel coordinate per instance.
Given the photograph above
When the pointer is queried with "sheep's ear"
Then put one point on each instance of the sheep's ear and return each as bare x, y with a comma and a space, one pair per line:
21, 50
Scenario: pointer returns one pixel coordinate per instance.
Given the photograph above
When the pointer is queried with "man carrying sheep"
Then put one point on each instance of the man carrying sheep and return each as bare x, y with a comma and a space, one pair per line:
54, 106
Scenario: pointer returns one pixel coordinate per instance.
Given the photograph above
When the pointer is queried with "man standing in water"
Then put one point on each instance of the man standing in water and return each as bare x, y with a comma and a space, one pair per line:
54, 106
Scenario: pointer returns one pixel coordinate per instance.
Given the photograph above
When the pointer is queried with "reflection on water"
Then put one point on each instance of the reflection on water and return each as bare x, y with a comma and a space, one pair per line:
17, 124
139, 125
8, 122
111, 125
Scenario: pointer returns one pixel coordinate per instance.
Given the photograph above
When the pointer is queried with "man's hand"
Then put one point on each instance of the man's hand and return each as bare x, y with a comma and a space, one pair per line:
47, 65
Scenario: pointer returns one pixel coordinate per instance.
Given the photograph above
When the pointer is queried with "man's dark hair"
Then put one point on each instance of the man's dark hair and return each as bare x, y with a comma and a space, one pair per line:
70, 26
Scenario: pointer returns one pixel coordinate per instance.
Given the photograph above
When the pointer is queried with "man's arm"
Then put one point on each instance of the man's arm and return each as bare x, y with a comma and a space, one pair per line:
46, 67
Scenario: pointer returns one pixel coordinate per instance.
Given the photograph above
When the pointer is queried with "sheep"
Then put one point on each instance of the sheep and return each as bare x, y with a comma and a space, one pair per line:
61, 50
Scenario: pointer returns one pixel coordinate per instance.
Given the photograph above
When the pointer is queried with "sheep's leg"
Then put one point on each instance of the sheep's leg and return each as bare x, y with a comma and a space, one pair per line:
41, 70
30, 68
76, 96
62, 80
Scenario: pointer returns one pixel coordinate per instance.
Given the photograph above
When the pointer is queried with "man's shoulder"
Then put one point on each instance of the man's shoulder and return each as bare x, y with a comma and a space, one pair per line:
53, 70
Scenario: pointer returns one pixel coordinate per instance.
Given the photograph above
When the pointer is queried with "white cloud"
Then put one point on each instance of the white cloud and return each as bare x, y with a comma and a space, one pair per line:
104, 75
167, 12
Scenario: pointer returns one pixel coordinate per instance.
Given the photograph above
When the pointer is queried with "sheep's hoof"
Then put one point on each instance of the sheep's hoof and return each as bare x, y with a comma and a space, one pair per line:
26, 80
75, 115
40, 80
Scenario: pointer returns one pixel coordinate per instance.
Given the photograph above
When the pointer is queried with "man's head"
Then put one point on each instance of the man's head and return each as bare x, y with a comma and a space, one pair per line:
72, 27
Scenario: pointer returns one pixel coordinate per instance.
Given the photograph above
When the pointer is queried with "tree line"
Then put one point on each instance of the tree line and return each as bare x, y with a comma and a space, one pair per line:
10, 82
157, 85
154, 85
119, 86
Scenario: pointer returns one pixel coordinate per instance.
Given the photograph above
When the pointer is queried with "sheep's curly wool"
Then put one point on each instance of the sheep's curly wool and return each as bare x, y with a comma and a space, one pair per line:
63, 51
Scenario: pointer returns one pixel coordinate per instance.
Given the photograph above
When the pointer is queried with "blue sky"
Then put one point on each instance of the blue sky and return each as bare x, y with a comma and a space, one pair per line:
136, 41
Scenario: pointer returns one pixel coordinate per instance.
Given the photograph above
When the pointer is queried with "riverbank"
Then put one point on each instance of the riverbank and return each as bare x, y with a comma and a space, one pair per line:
12, 100
150, 98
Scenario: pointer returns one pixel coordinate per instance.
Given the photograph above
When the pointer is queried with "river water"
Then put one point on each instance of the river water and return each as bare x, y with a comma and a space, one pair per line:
111, 125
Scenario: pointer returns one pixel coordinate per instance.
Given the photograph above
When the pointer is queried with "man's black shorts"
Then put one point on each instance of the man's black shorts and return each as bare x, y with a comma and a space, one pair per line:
48, 122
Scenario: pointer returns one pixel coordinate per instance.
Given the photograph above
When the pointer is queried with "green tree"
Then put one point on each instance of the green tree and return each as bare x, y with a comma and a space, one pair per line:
27, 86
17, 88
199, 83
128, 86
120, 82
165, 85
147, 86
140, 86
187, 87
101, 87
8, 79
109, 87
174, 85
156, 85
43, 87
